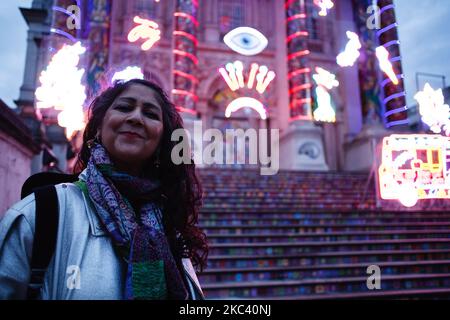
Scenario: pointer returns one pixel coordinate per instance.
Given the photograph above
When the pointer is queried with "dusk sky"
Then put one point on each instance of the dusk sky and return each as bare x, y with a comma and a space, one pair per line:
424, 35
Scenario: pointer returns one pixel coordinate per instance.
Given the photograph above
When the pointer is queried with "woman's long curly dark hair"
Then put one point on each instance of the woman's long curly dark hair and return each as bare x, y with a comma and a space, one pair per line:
179, 182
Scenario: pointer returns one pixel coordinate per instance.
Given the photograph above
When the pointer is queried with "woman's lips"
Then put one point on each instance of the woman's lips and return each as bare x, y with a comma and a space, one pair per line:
129, 134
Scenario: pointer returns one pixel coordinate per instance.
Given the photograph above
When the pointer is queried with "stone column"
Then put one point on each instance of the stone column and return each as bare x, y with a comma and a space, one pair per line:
302, 143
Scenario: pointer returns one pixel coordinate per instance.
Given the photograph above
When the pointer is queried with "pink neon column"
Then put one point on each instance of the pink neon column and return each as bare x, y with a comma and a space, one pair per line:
185, 55
297, 59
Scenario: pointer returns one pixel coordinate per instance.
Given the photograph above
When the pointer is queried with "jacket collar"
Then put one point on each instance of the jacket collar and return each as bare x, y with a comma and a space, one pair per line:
96, 227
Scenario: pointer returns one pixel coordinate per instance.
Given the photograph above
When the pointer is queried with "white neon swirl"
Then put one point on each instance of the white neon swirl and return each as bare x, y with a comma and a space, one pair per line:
127, 74
350, 55
246, 102
386, 65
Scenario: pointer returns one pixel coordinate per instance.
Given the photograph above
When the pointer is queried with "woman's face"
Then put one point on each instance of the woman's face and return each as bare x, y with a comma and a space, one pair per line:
132, 128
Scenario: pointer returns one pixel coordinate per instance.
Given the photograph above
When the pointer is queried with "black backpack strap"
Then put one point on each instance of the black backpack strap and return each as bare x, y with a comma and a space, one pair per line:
45, 234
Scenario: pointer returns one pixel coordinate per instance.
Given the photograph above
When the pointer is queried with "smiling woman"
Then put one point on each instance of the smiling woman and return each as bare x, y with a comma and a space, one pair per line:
129, 222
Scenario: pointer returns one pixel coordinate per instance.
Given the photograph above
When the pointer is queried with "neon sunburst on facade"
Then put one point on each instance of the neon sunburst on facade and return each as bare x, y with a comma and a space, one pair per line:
61, 88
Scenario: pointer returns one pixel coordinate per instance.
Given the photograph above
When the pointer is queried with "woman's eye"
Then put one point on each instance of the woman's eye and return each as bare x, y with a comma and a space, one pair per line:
151, 115
246, 41
123, 108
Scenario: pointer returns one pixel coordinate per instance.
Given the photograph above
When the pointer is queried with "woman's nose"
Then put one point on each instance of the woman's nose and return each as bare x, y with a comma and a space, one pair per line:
135, 117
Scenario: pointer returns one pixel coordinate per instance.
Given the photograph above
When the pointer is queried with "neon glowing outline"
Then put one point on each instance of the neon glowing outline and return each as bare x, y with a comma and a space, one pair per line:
146, 29
430, 180
130, 72
325, 81
350, 55
324, 6
233, 74
244, 102
227, 39
386, 65
433, 110
62, 89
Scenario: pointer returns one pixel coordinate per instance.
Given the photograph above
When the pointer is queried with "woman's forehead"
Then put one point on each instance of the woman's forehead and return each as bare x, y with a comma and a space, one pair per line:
140, 93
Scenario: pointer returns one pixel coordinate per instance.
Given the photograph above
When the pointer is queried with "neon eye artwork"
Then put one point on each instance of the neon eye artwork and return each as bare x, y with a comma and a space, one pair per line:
147, 30
348, 57
127, 74
246, 41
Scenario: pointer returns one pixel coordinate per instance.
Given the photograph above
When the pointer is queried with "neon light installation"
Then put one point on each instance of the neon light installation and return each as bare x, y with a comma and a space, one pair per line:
233, 74
433, 110
299, 73
244, 102
246, 41
185, 55
146, 29
350, 55
61, 88
394, 103
415, 167
324, 6
385, 64
325, 81
127, 74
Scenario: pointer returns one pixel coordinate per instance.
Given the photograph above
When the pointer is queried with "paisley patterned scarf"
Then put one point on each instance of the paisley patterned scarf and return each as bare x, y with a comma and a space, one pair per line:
126, 205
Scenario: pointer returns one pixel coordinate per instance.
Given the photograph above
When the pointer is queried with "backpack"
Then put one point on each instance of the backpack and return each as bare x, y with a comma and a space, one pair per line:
46, 224
46, 228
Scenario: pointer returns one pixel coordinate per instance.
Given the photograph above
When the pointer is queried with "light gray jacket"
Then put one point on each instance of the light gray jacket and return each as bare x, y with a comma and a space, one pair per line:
84, 266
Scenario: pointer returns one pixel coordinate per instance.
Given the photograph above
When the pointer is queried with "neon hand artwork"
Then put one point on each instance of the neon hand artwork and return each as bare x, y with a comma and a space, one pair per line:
147, 30
350, 55
61, 88
127, 74
324, 6
233, 74
385, 64
414, 167
325, 81
258, 79
246, 41
433, 110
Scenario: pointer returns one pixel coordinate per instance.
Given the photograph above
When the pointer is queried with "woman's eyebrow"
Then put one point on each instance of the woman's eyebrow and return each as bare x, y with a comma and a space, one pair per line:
129, 100
147, 105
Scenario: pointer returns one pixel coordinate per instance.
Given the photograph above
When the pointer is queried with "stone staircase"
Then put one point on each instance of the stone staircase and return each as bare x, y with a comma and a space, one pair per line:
313, 235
